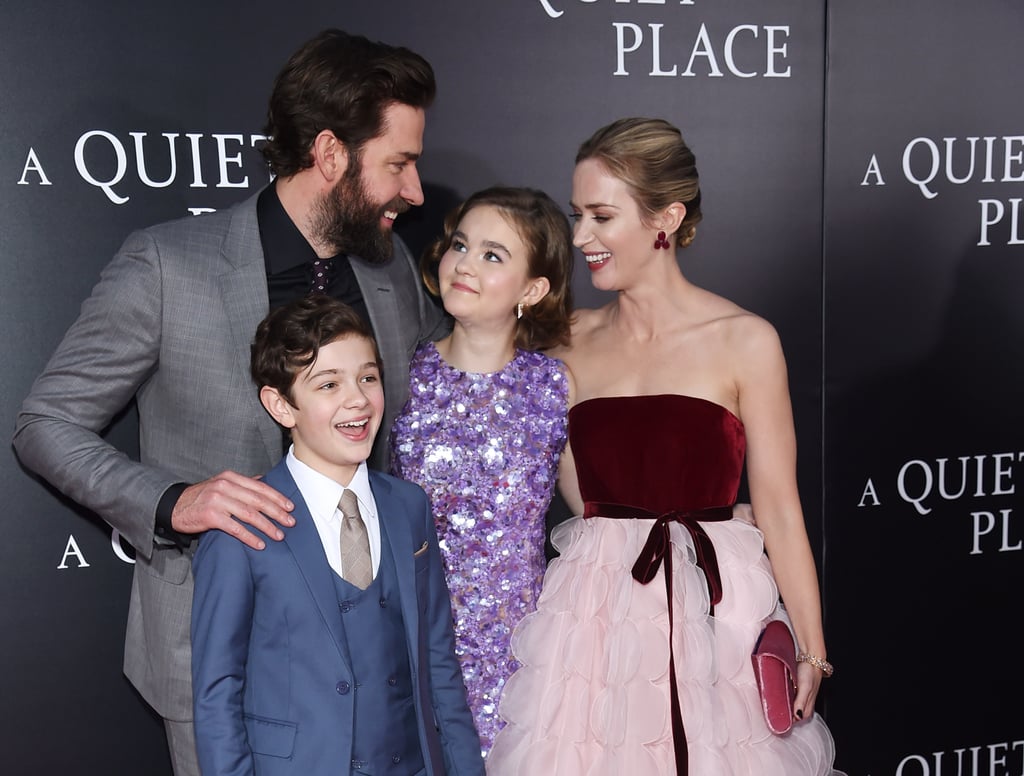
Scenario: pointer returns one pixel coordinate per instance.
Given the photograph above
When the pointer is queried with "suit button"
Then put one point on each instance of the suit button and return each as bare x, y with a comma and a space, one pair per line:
345, 607
343, 688
383, 603
392, 681
396, 759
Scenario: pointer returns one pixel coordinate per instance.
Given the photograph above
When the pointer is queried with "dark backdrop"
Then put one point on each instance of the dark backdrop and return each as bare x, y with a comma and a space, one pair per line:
903, 335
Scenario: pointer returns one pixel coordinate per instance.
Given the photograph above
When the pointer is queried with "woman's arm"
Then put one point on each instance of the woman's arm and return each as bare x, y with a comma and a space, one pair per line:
767, 415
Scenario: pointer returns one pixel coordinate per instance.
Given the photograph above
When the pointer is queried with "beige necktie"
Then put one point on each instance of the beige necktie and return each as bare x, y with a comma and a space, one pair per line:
356, 566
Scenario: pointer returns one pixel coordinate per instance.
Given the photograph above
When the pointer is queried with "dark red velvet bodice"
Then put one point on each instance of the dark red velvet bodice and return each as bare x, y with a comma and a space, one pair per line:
674, 459
661, 453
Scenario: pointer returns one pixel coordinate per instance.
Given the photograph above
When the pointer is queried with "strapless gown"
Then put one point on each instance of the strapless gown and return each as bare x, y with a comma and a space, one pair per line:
592, 695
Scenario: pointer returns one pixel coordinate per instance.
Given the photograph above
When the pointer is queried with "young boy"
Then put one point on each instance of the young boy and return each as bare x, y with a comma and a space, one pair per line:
330, 652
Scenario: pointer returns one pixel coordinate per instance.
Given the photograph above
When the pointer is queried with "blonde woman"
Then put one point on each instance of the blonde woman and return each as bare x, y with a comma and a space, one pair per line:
638, 657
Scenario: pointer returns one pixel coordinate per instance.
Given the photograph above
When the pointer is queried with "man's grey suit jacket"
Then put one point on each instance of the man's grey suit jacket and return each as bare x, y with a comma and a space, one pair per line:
170, 324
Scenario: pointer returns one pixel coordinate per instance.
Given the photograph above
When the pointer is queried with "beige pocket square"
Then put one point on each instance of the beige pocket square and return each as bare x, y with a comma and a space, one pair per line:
420, 551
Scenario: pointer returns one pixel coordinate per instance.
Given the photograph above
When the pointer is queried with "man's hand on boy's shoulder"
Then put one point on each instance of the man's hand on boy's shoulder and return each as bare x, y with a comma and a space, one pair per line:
228, 501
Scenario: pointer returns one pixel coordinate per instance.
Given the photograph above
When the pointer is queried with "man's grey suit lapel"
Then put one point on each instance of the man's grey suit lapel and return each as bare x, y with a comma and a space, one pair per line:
376, 284
382, 305
243, 289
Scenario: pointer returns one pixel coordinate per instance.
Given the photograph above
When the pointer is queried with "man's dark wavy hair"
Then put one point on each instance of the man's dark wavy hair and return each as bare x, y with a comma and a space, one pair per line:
343, 83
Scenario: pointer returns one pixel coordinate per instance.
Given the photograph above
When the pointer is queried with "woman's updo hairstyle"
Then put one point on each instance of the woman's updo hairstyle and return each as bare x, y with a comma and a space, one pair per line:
651, 158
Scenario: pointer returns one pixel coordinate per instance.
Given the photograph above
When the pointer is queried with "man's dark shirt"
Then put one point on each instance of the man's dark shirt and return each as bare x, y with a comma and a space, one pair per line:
289, 260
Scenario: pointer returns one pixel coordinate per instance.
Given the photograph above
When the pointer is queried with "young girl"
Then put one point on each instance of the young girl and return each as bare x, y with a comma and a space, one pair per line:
485, 423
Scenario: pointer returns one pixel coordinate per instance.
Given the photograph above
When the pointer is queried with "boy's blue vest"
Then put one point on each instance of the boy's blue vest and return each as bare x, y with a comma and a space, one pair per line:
385, 739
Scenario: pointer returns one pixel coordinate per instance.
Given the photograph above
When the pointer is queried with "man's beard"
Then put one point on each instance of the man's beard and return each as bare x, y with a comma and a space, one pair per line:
347, 219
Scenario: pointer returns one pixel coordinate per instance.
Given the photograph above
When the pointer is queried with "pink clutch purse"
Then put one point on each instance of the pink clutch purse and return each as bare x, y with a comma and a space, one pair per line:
774, 661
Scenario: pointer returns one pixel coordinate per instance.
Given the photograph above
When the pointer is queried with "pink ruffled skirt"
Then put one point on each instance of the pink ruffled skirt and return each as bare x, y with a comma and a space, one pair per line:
592, 695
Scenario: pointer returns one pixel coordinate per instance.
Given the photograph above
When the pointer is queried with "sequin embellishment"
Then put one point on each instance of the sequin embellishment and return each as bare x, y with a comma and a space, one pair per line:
485, 448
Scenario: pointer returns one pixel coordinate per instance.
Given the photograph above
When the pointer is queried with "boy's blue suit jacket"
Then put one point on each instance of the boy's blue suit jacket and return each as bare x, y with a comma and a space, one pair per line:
271, 668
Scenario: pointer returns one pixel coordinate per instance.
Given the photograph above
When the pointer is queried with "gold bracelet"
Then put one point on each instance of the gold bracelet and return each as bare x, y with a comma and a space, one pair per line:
822, 665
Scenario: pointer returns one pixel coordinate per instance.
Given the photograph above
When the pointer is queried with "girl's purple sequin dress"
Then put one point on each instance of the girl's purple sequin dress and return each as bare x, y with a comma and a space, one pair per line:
485, 448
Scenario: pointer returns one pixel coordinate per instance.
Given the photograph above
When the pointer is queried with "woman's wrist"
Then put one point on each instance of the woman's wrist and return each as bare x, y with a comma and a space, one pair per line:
818, 662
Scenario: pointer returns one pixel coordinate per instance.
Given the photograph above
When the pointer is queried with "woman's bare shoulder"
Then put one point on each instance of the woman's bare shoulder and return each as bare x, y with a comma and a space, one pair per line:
734, 322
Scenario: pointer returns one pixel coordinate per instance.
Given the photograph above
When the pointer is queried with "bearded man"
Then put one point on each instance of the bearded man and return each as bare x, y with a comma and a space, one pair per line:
170, 325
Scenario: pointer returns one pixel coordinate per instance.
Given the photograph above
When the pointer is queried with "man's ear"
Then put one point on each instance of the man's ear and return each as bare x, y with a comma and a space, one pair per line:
278, 406
330, 155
